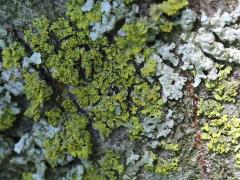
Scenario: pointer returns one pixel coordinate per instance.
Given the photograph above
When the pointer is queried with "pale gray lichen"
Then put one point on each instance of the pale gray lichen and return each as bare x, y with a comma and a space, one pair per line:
203, 43
138, 161
7, 104
3, 36
88, 6
188, 18
2, 44
5, 148
34, 59
165, 50
74, 173
194, 59
155, 128
31, 147
112, 13
105, 7
40, 132
11, 86
3, 32
139, 59
132, 158
172, 82
24, 142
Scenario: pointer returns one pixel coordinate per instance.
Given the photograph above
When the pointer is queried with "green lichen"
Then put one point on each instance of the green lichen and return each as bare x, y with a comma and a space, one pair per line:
169, 7
76, 139
110, 113
217, 140
210, 108
170, 146
38, 36
86, 95
108, 167
54, 150
135, 128
111, 167
83, 19
147, 99
27, 176
222, 135
100, 80
73, 140
100, 73
37, 92
53, 116
150, 68
61, 28
162, 166
69, 105
93, 173
7, 119
224, 89
12, 55
237, 160
167, 166
137, 35
62, 66
166, 26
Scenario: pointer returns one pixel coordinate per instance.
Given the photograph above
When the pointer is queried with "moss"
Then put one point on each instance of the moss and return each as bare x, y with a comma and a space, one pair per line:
37, 92
12, 55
